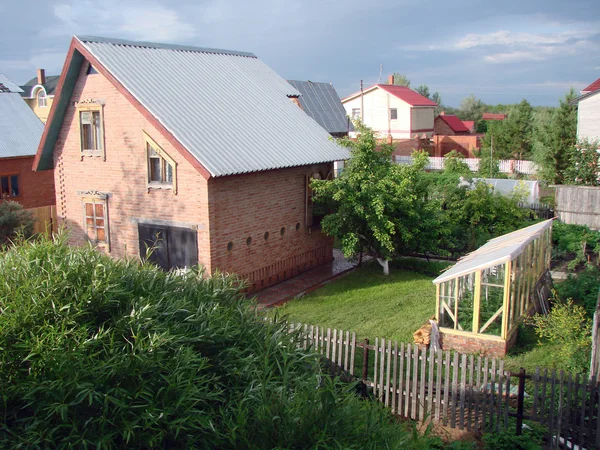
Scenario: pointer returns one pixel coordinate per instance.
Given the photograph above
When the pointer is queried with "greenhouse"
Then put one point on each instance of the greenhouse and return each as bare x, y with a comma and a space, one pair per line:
481, 299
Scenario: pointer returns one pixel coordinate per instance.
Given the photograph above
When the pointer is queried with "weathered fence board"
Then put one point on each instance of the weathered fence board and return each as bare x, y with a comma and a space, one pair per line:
463, 391
579, 205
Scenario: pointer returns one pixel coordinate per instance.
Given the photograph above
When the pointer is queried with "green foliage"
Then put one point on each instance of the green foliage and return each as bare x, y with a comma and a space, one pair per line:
575, 243
584, 165
454, 164
14, 220
471, 108
423, 89
511, 138
489, 163
401, 80
508, 440
97, 353
582, 287
567, 325
555, 134
377, 207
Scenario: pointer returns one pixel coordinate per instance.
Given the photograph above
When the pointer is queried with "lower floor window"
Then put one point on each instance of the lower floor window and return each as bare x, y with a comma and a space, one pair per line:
95, 219
10, 186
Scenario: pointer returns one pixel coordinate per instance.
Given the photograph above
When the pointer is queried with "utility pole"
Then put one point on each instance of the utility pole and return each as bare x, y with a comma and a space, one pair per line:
492, 156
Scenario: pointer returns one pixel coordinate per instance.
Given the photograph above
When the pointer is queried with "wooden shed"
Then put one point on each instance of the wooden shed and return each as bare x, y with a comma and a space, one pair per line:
482, 298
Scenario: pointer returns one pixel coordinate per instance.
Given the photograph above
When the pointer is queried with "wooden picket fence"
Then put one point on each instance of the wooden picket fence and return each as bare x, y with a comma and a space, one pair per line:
459, 390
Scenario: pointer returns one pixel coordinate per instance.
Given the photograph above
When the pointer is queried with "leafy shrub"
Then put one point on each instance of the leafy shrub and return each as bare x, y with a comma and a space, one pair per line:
454, 164
431, 268
576, 243
98, 353
14, 220
582, 287
567, 325
508, 440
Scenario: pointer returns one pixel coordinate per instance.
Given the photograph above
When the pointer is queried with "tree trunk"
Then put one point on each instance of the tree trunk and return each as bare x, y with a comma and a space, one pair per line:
385, 263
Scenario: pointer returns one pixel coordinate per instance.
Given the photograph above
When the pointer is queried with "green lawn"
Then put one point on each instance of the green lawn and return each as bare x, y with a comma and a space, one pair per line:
369, 303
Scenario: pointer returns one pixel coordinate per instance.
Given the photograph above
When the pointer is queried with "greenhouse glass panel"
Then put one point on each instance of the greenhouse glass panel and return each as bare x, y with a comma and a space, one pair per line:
466, 295
491, 300
447, 304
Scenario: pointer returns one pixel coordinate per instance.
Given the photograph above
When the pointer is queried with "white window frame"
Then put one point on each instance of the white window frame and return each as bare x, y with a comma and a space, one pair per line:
150, 144
42, 98
355, 113
92, 108
392, 111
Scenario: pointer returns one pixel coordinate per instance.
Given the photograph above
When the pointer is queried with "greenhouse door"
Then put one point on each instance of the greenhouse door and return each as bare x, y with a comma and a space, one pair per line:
172, 247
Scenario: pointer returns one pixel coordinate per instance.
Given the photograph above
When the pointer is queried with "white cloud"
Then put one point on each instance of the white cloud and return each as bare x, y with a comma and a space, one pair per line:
140, 20
504, 37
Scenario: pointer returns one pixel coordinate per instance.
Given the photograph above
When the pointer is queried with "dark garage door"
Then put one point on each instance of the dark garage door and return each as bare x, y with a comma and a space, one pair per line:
173, 247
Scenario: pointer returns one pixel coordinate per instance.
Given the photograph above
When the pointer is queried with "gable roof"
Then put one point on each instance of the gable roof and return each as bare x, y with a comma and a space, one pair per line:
402, 92
50, 86
454, 122
227, 112
20, 128
321, 102
470, 124
592, 87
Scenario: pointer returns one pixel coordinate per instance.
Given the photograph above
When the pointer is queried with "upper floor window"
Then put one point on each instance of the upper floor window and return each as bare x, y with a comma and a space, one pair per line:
91, 129
42, 100
10, 186
355, 113
393, 113
161, 167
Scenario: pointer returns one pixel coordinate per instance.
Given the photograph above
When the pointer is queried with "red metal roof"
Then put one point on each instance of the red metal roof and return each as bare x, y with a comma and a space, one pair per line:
454, 122
592, 87
492, 116
407, 95
470, 124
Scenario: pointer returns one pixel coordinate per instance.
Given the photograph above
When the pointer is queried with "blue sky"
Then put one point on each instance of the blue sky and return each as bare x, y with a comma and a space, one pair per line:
500, 51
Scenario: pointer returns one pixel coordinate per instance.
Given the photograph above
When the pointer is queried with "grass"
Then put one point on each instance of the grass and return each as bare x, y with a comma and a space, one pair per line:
529, 352
369, 303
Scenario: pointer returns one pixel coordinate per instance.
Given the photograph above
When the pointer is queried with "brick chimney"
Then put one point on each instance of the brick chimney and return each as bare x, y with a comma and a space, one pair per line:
443, 113
41, 75
391, 79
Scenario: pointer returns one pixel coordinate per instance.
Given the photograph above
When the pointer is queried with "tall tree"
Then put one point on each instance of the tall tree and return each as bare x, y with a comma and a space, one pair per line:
511, 138
556, 138
471, 108
401, 80
377, 207
423, 89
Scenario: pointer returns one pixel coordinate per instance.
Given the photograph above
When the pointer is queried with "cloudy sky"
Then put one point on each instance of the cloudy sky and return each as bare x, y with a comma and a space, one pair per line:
500, 51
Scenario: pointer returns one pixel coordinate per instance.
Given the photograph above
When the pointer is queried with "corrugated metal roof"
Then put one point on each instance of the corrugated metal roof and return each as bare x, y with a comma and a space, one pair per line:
20, 129
592, 87
498, 250
229, 109
321, 102
9, 85
50, 85
407, 94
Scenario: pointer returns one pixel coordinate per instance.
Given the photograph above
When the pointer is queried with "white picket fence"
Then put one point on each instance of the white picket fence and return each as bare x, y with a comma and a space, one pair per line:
506, 165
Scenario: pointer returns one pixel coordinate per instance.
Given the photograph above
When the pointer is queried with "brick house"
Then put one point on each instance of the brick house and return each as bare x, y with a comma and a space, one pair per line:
38, 93
449, 125
199, 152
20, 133
394, 112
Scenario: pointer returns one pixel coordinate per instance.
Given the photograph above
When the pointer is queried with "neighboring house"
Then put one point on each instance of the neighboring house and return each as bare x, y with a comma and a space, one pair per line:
395, 112
449, 125
470, 124
494, 116
588, 113
20, 133
199, 152
321, 102
38, 93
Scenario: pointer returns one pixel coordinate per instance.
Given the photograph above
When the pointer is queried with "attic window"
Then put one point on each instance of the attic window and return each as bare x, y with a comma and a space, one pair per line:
161, 167
91, 70
42, 99
91, 129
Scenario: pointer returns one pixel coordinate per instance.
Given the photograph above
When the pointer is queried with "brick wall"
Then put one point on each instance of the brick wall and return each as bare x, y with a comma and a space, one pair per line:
463, 144
245, 207
441, 127
475, 344
36, 188
224, 209
123, 175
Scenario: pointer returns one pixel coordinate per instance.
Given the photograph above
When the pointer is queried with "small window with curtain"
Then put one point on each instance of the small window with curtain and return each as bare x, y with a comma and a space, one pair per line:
161, 167
95, 219
91, 128
10, 186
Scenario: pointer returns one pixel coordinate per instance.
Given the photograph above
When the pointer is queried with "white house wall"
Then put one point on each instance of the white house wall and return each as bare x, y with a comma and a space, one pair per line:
588, 118
377, 104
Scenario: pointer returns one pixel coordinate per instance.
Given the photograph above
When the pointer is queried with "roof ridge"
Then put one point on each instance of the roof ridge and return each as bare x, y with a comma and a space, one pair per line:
157, 45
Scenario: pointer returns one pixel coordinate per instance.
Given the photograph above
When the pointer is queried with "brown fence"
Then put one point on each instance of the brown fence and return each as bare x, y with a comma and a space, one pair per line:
462, 391
45, 219
579, 205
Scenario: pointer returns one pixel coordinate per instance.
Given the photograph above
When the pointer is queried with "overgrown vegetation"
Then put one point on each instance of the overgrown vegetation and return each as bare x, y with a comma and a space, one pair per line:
100, 353
14, 220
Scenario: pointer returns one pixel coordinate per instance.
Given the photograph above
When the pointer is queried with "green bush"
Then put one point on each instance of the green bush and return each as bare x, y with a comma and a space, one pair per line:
14, 220
508, 440
582, 288
97, 353
568, 326
575, 243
